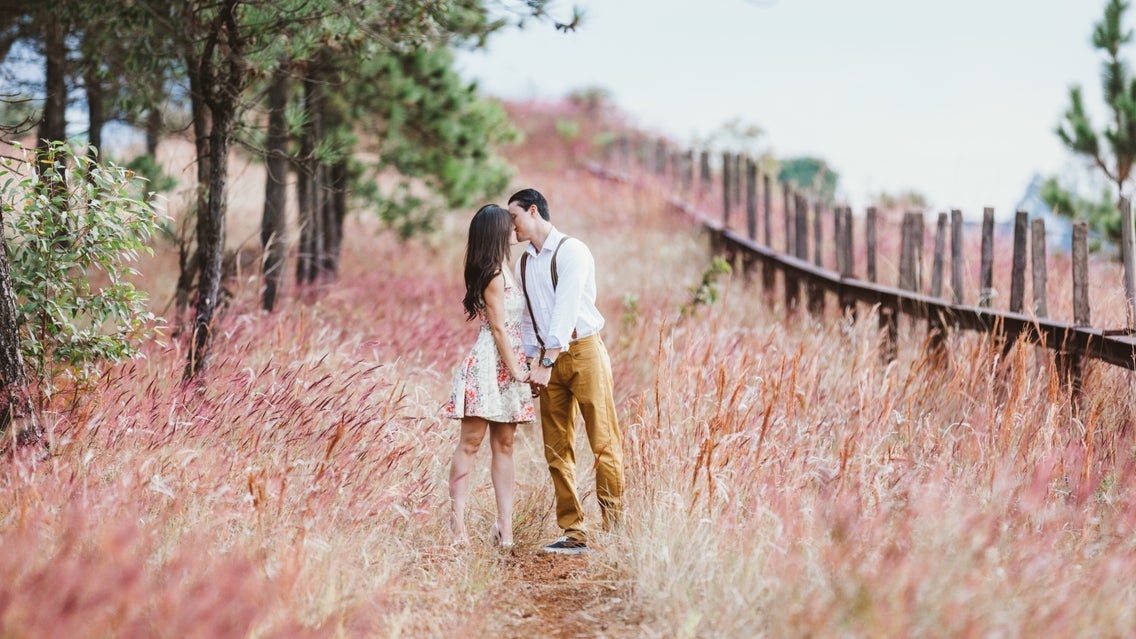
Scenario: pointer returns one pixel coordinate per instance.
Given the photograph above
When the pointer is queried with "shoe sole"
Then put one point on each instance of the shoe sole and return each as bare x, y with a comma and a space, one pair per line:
565, 551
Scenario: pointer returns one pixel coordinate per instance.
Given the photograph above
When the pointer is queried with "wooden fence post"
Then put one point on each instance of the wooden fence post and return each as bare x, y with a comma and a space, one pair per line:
870, 238
789, 281
889, 325
936, 330
911, 253
816, 293
986, 276
737, 172
748, 259
767, 271
801, 232
939, 257
661, 156
1128, 252
751, 198
727, 176
1071, 364
1039, 261
956, 255
845, 261
704, 179
787, 194
1018, 274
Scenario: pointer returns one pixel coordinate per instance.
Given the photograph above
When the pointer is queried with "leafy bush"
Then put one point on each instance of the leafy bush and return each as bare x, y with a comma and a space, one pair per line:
71, 235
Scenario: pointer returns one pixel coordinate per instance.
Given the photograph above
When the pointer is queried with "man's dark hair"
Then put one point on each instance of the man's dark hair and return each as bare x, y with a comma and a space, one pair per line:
529, 197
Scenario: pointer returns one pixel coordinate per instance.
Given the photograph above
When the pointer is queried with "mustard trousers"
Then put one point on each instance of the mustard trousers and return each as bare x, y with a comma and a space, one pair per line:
581, 383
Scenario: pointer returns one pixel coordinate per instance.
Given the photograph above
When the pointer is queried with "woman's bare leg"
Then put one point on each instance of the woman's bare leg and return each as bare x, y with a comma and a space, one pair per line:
472, 432
501, 470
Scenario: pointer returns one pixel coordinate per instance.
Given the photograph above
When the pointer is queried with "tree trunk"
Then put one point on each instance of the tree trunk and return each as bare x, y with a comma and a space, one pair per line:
189, 250
15, 396
54, 125
219, 87
96, 112
338, 214
211, 243
153, 130
311, 188
273, 228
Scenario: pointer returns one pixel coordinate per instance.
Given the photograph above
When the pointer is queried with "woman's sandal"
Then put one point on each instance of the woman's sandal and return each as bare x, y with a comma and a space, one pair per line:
495, 537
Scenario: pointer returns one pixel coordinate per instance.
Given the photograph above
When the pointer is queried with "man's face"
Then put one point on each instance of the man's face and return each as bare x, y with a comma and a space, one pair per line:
523, 220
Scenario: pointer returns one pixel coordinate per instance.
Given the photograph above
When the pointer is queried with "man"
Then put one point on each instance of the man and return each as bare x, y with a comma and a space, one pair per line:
570, 367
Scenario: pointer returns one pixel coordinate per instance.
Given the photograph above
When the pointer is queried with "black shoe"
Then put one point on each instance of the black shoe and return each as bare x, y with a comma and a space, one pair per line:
566, 546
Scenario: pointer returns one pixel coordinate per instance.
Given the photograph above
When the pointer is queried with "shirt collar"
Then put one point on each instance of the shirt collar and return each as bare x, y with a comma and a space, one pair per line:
550, 242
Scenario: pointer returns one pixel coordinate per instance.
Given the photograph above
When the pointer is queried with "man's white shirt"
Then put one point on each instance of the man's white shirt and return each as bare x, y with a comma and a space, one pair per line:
572, 306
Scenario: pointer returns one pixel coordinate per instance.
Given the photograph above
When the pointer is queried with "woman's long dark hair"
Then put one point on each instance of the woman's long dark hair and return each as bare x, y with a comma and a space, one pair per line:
485, 252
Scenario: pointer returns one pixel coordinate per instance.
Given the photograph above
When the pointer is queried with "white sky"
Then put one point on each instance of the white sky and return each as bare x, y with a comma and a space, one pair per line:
956, 99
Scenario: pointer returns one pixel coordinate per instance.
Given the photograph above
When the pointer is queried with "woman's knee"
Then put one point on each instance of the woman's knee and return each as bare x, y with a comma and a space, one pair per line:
501, 438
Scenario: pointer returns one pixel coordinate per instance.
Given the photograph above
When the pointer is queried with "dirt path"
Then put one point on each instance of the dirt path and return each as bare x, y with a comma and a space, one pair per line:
564, 597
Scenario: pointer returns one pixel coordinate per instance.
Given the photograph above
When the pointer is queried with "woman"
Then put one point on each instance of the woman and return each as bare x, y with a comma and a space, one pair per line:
490, 387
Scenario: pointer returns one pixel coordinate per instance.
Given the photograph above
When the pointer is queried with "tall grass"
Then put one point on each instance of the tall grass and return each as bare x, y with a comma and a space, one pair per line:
782, 481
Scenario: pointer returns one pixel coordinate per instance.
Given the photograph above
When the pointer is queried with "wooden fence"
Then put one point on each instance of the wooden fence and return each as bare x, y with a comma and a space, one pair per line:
740, 180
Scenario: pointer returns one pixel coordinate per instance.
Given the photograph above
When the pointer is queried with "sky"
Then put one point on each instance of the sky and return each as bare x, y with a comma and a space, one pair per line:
955, 99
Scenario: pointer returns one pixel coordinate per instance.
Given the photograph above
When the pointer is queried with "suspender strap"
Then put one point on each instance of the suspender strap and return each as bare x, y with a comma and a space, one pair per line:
525, 288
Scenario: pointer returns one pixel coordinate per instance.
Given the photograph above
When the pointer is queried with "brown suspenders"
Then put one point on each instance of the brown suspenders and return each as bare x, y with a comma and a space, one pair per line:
525, 288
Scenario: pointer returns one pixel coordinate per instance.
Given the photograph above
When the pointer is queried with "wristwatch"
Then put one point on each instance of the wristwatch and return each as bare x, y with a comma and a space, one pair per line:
547, 362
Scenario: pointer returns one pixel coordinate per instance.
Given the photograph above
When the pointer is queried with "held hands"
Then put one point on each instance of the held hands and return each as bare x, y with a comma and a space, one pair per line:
538, 379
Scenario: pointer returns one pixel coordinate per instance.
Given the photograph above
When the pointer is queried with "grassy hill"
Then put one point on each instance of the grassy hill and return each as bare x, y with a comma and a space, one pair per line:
781, 480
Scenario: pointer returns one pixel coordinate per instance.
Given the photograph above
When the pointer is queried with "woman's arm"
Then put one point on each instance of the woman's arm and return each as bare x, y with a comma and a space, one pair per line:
495, 312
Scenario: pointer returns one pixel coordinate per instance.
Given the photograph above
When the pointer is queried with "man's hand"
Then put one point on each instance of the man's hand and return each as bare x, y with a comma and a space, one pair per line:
538, 379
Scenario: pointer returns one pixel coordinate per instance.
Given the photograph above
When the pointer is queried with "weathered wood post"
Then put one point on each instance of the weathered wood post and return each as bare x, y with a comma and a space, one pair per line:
727, 177
939, 258
986, 275
844, 259
787, 194
816, 293
789, 281
1070, 363
704, 179
1039, 261
936, 329
748, 259
1128, 252
870, 240
889, 328
738, 173
956, 255
751, 198
767, 271
661, 156
911, 253
1018, 274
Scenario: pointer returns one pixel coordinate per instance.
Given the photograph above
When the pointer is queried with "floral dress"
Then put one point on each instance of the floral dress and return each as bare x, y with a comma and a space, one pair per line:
483, 386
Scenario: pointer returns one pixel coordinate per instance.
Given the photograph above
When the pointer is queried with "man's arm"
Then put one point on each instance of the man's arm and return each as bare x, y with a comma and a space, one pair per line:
574, 266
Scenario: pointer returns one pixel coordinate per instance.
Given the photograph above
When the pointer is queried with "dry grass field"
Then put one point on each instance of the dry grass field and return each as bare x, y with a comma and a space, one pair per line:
782, 481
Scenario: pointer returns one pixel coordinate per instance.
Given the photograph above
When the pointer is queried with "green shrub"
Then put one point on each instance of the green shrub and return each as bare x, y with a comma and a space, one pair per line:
71, 237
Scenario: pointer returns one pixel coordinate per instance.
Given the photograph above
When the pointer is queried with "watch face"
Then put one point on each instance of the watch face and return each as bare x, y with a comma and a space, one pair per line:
546, 362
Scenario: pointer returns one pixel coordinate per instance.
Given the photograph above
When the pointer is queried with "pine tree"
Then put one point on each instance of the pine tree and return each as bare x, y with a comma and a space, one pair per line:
1116, 156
